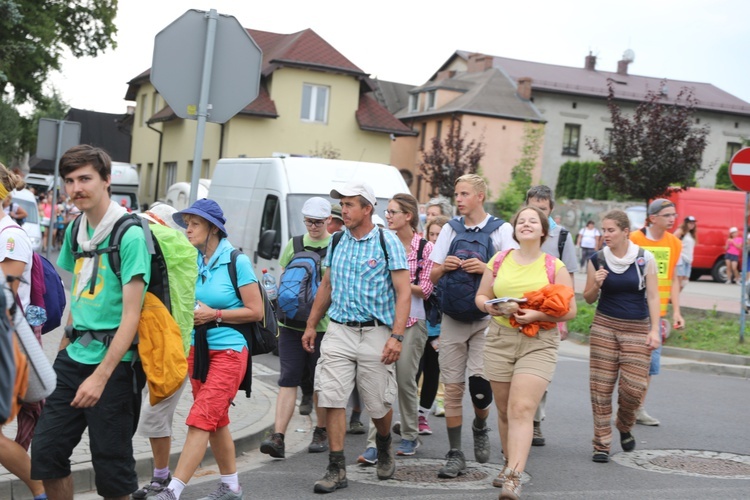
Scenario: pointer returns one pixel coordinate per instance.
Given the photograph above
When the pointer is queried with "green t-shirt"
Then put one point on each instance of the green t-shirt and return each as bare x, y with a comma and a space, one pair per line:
102, 310
286, 258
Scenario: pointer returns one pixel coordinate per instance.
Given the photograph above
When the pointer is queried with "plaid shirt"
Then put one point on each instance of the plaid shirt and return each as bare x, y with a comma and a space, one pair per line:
361, 284
424, 275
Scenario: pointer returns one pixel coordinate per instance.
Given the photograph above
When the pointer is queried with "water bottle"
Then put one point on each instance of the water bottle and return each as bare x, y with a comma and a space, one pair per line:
36, 316
269, 284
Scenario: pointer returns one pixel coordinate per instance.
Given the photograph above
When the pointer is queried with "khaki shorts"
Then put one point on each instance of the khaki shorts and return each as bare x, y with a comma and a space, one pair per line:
156, 421
352, 354
509, 352
461, 350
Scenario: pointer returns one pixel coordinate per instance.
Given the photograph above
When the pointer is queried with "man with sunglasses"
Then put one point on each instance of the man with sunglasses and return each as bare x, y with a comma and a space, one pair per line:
666, 247
294, 359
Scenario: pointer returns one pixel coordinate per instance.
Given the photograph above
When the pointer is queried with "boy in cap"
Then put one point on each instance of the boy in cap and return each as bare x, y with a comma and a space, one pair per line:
666, 247
296, 362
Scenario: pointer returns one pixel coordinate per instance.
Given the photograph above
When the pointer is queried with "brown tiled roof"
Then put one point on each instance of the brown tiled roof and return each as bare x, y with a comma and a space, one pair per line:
580, 81
164, 115
304, 49
487, 93
375, 118
394, 96
263, 105
134, 85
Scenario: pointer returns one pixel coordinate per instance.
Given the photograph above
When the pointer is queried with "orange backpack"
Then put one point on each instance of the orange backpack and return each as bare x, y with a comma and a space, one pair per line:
21, 381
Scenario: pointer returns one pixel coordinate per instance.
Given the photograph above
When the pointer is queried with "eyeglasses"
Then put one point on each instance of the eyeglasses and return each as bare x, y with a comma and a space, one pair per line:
667, 216
316, 223
391, 213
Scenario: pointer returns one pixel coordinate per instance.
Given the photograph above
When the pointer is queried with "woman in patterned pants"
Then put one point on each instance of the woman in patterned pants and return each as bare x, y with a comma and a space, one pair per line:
622, 277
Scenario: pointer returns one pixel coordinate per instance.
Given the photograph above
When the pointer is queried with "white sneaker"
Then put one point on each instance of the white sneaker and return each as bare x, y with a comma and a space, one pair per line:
643, 418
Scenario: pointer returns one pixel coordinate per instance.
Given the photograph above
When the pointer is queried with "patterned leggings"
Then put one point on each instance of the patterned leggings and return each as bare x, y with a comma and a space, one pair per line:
618, 347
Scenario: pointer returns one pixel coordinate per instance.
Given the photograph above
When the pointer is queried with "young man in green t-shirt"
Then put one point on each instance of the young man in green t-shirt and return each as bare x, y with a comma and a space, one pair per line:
293, 357
98, 383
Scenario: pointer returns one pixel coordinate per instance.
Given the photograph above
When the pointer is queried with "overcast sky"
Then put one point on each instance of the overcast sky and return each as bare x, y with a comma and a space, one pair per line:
407, 40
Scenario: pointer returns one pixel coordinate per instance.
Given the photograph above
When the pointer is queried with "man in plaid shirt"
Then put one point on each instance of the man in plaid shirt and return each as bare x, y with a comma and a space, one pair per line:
367, 295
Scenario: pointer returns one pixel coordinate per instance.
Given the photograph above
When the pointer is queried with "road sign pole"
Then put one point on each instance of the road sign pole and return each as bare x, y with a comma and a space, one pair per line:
743, 291
200, 130
55, 186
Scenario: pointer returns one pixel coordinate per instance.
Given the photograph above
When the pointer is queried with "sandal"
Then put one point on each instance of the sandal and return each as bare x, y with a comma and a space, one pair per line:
627, 441
601, 457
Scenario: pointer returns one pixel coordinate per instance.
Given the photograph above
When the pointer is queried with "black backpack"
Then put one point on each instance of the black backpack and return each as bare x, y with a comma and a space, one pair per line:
458, 288
433, 313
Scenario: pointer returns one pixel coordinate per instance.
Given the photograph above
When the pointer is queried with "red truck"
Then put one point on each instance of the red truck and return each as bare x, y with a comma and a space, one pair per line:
715, 211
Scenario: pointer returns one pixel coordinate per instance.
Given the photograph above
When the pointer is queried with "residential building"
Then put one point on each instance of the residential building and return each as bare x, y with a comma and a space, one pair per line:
573, 104
488, 106
312, 101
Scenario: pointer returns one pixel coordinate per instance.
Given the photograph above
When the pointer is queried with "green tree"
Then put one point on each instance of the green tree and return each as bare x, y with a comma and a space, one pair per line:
450, 158
657, 148
35, 34
514, 194
10, 132
561, 190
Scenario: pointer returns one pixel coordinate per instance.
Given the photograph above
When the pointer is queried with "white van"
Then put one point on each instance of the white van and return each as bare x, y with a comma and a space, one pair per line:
125, 185
31, 224
178, 194
264, 196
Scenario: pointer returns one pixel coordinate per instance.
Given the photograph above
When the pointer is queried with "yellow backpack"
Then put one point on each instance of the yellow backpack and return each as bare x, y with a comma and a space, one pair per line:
160, 349
21, 381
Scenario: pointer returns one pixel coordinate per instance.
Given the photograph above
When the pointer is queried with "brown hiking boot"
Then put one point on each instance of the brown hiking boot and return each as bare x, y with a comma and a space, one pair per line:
511, 487
386, 461
334, 478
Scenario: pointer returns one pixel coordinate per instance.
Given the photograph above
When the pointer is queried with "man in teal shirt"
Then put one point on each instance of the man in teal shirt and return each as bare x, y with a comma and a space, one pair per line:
98, 382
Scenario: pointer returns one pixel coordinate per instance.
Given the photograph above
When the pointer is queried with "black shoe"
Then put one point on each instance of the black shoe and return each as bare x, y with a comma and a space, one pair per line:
305, 406
386, 465
538, 439
600, 457
153, 488
273, 446
627, 441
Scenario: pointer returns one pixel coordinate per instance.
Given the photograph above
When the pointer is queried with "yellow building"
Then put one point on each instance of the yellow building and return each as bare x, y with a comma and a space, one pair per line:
313, 101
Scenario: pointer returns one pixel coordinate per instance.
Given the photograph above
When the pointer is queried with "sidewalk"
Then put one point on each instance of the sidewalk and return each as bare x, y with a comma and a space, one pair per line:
253, 418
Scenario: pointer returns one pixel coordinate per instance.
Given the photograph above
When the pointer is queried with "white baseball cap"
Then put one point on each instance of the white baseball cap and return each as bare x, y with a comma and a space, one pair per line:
355, 188
161, 213
317, 208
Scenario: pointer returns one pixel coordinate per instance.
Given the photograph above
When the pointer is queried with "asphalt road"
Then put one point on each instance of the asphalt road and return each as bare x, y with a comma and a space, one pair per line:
699, 413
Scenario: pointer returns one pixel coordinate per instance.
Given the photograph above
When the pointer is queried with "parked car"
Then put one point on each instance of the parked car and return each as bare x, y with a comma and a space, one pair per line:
31, 225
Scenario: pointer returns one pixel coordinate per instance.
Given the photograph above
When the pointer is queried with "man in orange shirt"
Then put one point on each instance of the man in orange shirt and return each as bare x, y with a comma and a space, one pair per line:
666, 248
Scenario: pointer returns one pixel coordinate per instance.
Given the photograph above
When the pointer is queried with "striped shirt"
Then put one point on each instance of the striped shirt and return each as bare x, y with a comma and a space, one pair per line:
424, 274
361, 284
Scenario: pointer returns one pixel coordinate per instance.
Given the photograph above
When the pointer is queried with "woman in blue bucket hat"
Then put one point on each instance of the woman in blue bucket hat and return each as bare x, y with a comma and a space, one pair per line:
218, 358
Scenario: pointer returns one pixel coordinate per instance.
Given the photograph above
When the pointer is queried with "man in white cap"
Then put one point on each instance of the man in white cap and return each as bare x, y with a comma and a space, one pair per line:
367, 295
666, 247
296, 362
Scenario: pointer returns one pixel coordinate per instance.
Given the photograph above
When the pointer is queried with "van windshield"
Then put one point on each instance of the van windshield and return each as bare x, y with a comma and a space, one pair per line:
30, 208
296, 201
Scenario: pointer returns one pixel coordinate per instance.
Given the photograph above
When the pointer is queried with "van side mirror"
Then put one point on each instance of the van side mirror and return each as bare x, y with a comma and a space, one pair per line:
267, 247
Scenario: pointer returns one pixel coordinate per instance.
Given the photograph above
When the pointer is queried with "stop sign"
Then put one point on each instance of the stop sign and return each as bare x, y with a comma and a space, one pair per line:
177, 66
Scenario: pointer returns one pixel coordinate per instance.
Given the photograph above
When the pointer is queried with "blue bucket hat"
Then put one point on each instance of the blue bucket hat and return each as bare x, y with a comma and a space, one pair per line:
208, 209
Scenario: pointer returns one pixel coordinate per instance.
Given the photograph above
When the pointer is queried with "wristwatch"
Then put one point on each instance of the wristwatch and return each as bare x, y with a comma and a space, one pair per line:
218, 316
400, 338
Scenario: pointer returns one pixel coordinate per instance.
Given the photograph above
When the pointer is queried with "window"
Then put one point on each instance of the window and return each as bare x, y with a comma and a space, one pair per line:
149, 177
154, 103
608, 146
271, 219
413, 103
205, 170
430, 100
438, 129
732, 148
314, 103
144, 110
422, 135
170, 174
571, 136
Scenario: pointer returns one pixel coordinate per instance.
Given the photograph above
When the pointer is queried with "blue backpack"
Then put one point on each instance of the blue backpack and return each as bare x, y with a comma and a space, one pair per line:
299, 284
458, 288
